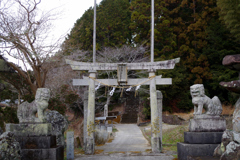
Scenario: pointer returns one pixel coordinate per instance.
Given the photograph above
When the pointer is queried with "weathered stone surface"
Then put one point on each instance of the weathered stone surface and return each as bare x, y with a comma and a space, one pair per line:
203, 137
236, 117
28, 129
59, 125
90, 146
232, 152
230, 146
202, 158
232, 61
43, 154
70, 145
101, 136
36, 142
168, 64
236, 137
218, 151
212, 124
27, 111
233, 86
227, 137
85, 103
1, 131
185, 150
9, 148
199, 99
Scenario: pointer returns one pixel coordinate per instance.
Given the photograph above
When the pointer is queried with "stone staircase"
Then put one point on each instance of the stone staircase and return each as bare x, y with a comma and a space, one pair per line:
131, 109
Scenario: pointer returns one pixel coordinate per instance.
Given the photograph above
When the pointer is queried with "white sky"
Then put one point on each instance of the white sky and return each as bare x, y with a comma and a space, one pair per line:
70, 11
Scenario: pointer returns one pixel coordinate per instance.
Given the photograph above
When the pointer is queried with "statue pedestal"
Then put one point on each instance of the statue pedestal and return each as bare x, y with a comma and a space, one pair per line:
30, 129
36, 141
207, 123
205, 134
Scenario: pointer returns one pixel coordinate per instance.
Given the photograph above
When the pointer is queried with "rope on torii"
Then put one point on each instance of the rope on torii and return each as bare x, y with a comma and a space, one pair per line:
121, 87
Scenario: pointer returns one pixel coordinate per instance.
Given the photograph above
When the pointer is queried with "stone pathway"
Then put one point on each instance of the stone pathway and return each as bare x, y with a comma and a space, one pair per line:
128, 138
128, 144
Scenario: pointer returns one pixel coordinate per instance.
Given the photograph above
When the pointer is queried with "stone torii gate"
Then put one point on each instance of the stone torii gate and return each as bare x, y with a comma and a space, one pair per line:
122, 69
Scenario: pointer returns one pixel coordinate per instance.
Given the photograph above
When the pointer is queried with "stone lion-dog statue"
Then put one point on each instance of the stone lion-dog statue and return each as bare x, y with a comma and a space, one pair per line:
199, 99
27, 111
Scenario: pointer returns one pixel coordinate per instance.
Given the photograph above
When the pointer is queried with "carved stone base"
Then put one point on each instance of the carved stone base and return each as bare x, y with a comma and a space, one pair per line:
56, 153
37, 142
185, 150
30, 129
203, 137
207, 123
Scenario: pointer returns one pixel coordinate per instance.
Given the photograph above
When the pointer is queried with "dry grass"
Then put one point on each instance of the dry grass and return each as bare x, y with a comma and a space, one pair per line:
228, 110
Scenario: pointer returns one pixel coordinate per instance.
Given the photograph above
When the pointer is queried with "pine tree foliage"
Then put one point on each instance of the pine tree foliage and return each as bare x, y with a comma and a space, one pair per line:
229, 13
113, 18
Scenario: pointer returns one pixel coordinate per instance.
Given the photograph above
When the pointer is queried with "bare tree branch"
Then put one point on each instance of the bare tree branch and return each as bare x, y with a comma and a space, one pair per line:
23, 33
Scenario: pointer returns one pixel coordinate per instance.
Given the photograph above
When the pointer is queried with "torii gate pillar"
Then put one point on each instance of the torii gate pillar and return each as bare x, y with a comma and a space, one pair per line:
90, 144
155, 138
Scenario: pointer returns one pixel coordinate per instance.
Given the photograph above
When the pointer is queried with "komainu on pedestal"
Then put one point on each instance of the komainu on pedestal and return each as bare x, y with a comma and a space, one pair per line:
205, 129
34, 133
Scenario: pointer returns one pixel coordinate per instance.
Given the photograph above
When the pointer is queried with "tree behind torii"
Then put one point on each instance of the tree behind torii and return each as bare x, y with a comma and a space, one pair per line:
23, 33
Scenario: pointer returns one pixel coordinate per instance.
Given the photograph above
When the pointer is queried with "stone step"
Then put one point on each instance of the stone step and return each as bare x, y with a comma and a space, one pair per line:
129, 118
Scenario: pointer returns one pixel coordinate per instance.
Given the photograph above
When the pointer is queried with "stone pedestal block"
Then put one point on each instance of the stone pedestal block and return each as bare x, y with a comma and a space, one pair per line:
30, 129
185, 150
203, 137
206, 123
37, 142
56, 153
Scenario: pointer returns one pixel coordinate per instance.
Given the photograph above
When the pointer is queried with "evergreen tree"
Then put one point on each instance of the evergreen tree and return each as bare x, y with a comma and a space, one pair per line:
229, 13
113, 18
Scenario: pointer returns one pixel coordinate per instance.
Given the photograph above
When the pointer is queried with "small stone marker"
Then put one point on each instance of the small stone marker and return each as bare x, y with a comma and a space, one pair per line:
109, 129
70, 145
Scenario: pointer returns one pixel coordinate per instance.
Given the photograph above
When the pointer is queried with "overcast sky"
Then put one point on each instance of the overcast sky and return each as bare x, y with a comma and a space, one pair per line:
70, 11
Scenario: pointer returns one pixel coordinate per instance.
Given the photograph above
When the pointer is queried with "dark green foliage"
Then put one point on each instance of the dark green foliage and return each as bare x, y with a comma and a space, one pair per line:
8, 115
229, 13
146, 107
113, 19
18, 86
220, 44
7, 92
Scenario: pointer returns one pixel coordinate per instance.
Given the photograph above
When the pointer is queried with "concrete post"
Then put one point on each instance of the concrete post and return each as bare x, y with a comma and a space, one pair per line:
90, 145
155, 139
159, 106
85, 103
